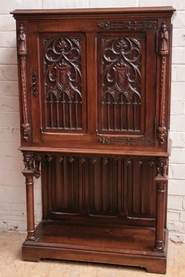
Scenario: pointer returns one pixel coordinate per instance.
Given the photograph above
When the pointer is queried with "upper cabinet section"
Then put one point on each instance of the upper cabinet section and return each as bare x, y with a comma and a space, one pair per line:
95, 80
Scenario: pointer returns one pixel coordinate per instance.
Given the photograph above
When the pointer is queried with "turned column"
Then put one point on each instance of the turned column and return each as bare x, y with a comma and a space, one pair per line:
30, 205
31, 170
161, 190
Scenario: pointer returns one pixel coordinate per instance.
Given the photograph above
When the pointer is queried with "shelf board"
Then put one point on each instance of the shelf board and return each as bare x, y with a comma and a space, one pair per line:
96, 243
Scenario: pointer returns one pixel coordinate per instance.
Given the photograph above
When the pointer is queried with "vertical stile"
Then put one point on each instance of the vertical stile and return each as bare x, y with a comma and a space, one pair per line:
51, 108
76, 111
70, 115
57, 112
108, 113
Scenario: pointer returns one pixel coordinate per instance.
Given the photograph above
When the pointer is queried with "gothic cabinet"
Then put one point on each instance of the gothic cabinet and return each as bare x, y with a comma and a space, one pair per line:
94, 90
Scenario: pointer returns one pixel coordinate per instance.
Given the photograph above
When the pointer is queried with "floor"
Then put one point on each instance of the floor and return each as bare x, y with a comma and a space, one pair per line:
12, 265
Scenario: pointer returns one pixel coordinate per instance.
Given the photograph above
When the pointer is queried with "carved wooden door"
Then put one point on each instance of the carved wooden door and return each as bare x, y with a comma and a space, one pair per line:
58, 73
126, 87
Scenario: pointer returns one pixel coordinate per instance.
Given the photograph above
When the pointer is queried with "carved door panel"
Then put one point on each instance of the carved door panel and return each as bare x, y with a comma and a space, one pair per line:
58, 75
126, 88
62, 65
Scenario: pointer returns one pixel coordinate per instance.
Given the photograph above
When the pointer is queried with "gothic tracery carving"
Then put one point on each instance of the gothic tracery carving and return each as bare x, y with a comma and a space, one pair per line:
121, 79
63, 81
121, 67
62, 65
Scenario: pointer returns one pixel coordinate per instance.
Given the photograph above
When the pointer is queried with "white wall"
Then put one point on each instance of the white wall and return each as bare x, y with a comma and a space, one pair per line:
12, 188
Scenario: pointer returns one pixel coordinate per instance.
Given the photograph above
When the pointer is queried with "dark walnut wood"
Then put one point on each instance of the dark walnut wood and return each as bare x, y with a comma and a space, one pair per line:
94, 87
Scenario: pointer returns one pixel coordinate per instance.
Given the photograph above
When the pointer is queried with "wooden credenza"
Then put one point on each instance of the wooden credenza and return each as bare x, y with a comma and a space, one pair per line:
94, 90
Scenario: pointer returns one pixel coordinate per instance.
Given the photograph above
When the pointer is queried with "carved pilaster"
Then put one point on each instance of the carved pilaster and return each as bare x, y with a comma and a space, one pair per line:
22, 52
163, 51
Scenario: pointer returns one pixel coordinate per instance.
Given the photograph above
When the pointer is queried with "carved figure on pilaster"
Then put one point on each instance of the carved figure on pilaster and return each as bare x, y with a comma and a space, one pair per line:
21, 41
164, 40
162, 167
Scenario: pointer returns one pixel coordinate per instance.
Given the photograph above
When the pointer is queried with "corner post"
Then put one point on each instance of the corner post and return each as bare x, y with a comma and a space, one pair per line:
31, 170
161, 191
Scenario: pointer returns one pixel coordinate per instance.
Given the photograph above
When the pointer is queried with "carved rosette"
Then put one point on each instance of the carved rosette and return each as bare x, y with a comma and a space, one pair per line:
22, 52
163, 51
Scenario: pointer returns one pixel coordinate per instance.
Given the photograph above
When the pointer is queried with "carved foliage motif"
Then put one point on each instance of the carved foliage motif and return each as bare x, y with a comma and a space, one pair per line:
63, 80
121, 78
22, 52
34, 83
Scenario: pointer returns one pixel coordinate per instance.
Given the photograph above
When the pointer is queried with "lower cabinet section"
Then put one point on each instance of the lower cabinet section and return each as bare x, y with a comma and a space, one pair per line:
96, 243
97, 208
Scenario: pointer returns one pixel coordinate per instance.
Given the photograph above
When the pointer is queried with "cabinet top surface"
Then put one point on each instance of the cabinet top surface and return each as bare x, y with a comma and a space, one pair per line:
161, 9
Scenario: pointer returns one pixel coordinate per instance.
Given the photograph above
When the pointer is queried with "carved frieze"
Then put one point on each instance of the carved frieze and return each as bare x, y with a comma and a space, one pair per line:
127, 141
129, 25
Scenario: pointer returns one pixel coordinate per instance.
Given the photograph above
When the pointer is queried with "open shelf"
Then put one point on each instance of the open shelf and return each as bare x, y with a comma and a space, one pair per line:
100, 244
